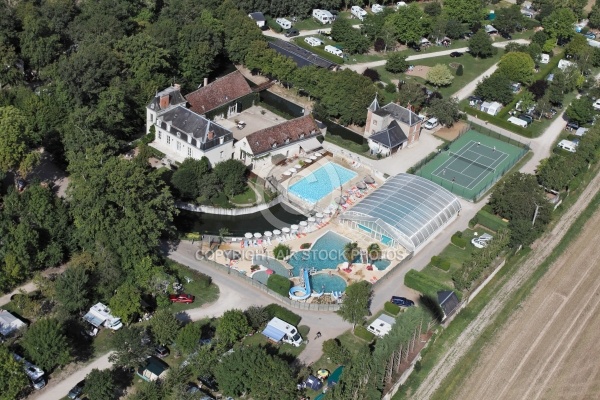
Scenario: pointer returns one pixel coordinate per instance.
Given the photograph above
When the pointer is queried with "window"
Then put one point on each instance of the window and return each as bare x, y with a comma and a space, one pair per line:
151, 117
159, 135
374, 123
168, 139
221, 155
189, 151
178, 145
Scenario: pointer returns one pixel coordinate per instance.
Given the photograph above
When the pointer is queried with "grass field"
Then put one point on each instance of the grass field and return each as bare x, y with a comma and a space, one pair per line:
248, 197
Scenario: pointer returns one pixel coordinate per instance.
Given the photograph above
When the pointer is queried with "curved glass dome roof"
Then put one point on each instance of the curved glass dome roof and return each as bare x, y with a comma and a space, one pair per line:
410, 209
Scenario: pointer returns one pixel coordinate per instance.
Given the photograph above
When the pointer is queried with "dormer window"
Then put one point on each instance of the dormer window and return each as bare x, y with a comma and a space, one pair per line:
287, 140
274, 145
179, 134
302, 136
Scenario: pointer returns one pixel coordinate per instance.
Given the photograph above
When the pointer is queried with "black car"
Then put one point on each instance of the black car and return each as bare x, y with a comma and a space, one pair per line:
415, 47
456, 54
161, 351
572, 126
292, 32
526, 118
506, 35
75, 393
402, 301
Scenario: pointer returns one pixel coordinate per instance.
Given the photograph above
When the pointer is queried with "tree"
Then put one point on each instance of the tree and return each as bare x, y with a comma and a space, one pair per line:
164, 327
509, 19
468, 11
244, 370
540, 38
351, 251
517, 67
187, 338
495, 88
72, 289
580, 110
232, 326
336, 351
256, 316
594, 17
538, 88
240, 32
188, 179
352, 40
374, 251
445, 110
480, 44
560, 23
356, 303
46, 345
459, 70
232, 175
126, 303
281, 251
577, 46
14, 134
552, 173
99, 385
410, 23
12, 375
130, 350
543, 105
527, 101
439, 75
411, 93
396, 62
433, 9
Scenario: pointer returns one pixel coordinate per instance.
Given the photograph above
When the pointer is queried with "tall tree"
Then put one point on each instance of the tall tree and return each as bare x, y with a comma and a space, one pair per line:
187, 338
46, 345
72, 289
356, 303
468, 11
99, 385
12, 375
15, 133
130, 351
410, 22
580, 110
560, 23
232, 326
439, 75
509, 19
517, 67
445, 110
495, 87
396, 62
480, 44
126, 303
189, 177
164, 327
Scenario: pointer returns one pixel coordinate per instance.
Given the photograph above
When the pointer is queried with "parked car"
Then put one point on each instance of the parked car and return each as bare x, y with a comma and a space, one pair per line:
572, 126
456, 54
526, 118
481, 241
76, 392
431, 123
161, 351
590, 35
506, 35
402, 301
377, 8
182, 298
596, 105
415, 47
292, 32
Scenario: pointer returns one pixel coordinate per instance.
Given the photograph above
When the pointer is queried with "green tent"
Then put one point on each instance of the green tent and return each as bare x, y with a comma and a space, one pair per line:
334, 378
319, 397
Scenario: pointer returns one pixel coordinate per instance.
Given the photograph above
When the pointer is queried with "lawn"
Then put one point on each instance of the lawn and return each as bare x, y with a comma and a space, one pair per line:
310, 24
283, 349
200, 286
248, 197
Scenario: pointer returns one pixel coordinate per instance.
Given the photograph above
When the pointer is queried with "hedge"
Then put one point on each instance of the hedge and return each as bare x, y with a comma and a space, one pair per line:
275, 310
279, 284
391, 308
274, 25
362, 332
424, 283
498, 122
491, 221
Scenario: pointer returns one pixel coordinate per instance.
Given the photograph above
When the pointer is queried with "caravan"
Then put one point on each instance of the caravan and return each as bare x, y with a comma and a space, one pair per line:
518, 121
99, 315
284, 23
334, 50
323, 16
278, 330
568, 146
358, 12
313, 41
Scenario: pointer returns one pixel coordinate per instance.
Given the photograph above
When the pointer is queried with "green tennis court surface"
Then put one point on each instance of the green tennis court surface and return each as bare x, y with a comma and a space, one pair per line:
471, 164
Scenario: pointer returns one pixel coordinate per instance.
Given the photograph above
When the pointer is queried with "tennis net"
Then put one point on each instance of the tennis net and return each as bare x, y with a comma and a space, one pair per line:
461, 157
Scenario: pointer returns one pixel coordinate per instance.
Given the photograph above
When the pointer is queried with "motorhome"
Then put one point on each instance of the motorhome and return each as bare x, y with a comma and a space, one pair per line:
334, 50
382, 325
34, 373
567, 145
99, 315
284, 23
313, 41
323, 16
278, 330
358, 12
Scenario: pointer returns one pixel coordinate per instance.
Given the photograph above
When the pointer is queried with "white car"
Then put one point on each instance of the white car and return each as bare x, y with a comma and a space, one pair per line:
431, 123
481, 241
596, 105
377, 8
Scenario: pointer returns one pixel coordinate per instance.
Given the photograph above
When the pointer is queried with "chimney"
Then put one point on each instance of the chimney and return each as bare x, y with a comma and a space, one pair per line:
177, 86
205, 81
164, 101
210, 135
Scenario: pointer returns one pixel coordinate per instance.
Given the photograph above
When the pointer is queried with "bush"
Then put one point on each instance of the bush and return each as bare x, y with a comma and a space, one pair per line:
274, 25
474, 221
458, 233
362, 332
459, 70
256, 316
336, 351
423, 283
390, 88
391, 308
281, 251
371, 74
305, 245
459, 242
279, 284
491, 221
275, 310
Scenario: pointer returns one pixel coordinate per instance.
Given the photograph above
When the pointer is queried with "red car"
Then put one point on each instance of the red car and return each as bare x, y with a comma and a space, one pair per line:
181, 298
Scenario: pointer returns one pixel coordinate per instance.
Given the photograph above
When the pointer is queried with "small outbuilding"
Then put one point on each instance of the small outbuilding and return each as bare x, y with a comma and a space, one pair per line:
259, 18
9, 324
153, 369
448, 301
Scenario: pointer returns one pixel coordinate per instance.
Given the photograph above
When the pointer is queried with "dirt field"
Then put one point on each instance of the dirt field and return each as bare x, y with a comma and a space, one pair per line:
547, 349
419, 70
451, 133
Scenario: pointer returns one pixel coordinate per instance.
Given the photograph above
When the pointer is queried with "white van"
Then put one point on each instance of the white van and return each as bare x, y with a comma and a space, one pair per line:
431, 123
313, 41
358, 12
518, 121
323, 16
567, 145
284, 23
544, 58
334, 50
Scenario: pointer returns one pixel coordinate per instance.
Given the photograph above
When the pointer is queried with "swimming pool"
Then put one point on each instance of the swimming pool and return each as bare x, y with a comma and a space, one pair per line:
326, 253
327, 283
319, 183
381, 264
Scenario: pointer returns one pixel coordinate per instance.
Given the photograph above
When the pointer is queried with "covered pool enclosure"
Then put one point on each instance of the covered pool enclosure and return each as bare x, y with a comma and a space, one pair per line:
406, 210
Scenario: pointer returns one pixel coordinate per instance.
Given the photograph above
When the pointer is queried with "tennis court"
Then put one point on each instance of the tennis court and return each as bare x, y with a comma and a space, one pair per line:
471, 164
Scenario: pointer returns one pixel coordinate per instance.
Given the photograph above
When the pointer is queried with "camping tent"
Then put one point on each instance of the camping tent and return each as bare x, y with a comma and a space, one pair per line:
491, 108
334, 378
312, 382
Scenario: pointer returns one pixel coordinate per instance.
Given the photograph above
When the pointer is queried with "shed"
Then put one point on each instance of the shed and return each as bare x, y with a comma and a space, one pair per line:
448, 301
153, 369
9, 323
259, 18
491, 108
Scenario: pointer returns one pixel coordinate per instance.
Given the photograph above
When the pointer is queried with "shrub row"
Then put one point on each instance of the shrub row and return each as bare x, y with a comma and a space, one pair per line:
490, 221
275, 310
362, 332
459, 241
424, 283
391, 308
279, 284
440, 262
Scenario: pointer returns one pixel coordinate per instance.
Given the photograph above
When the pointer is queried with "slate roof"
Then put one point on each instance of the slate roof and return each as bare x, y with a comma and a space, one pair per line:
220, 92
186, 123
301, 56
390, 137
399, 113
174, 99
262, 141
448, 301
257, 16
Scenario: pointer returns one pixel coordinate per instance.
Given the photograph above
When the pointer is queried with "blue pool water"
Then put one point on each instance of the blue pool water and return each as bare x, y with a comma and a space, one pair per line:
327, 283
321, 182
326, 253
381, 264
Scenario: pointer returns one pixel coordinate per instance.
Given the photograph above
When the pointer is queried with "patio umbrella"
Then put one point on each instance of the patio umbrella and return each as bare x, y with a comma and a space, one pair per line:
308, 160
340, 200
297, 166
258, 235
276, 232
318, 154
268, 233
361, 185
232, 255
311, 219
292, 170
303, 223
269, 271
294, 227
369, 179
248, 235
285, 230
319, 215
313, 158
287, 173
